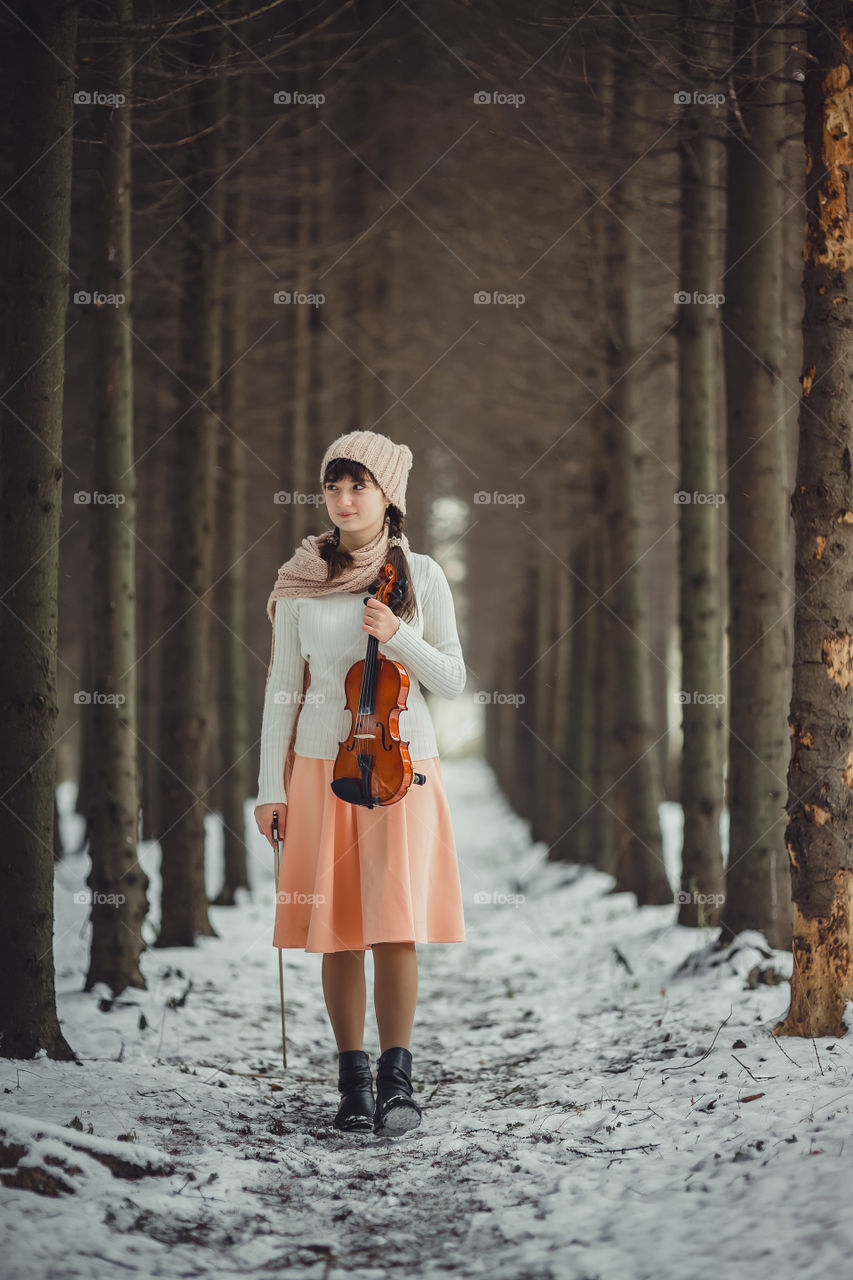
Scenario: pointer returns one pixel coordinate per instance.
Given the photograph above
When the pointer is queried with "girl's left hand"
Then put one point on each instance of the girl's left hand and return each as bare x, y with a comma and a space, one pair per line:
379, 620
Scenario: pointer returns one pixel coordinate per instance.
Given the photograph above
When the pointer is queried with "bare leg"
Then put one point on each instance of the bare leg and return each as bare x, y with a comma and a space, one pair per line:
346, 996
395, 992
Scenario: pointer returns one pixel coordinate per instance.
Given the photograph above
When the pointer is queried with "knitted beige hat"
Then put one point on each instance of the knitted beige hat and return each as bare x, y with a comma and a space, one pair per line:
390, 463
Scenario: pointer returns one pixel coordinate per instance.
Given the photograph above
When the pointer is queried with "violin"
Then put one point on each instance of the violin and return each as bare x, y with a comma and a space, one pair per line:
373, 767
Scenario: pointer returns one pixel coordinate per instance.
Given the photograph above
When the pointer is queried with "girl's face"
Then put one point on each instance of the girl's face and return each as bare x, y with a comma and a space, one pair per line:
357, 507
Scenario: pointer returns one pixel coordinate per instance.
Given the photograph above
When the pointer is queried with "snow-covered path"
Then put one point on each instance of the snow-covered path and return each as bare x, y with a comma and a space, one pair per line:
588, 1112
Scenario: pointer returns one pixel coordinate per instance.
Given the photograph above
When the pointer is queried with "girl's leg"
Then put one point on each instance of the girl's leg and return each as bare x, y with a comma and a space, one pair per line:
395, 992
346, 996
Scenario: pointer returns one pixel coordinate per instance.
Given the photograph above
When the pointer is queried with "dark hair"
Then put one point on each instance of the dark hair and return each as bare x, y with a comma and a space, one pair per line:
337, 558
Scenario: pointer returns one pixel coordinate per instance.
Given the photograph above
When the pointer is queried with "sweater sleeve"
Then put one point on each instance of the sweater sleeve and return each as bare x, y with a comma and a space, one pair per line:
434, 659
281, 703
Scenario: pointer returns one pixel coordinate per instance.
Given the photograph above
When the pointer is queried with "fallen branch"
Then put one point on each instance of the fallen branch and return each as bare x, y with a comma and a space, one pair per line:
689, 1065
46, 1158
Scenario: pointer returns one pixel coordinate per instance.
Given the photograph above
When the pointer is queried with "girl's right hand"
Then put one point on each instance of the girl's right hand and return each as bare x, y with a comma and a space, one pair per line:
263, 818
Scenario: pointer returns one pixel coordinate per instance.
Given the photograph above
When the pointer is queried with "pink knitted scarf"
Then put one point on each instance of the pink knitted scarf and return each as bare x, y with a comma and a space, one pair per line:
304, 574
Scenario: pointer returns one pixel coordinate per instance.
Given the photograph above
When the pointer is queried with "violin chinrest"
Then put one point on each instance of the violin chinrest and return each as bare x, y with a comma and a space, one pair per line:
349, 789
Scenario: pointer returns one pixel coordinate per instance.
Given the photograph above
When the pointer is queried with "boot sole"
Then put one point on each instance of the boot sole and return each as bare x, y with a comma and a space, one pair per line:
398, 1120
354, 1128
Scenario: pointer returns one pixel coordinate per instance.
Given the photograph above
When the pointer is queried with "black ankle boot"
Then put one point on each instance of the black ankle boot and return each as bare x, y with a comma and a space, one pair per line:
355, 1083
396, 1110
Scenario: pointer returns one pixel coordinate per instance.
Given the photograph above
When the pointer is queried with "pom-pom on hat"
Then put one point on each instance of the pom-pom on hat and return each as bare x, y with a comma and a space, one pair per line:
390, 463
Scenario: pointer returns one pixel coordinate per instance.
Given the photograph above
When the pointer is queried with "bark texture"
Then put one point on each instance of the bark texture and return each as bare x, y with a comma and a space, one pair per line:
35, 219
757, 892
701, 619
819, 834
117, 881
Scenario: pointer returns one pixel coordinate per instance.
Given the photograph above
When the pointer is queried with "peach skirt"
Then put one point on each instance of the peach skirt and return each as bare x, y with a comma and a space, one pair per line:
351, 876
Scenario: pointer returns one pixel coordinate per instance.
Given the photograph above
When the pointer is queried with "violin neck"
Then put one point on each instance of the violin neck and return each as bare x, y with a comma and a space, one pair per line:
367, 700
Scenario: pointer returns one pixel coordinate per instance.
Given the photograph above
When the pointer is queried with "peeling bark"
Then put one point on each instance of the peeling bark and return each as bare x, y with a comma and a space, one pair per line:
822, 965
819, 834
837, 655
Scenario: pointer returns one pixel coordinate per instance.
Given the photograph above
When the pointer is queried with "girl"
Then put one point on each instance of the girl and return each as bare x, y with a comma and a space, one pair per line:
354, 878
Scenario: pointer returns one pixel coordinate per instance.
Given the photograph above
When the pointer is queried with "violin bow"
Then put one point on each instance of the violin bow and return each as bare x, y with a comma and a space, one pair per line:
277, 861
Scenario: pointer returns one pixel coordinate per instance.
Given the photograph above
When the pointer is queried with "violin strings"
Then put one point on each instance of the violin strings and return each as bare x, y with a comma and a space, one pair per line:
367, 694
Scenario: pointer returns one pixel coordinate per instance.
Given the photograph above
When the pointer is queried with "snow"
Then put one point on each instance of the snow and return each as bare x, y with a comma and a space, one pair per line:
580, 1119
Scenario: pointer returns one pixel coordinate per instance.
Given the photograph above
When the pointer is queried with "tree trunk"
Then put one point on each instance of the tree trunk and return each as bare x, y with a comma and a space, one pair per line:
542, 681
233, 703
703, 676
296, 462
636, 789
151, 577
117, 881
563, 727
757, 892
186, 671
39, 116
576, 725
819, 834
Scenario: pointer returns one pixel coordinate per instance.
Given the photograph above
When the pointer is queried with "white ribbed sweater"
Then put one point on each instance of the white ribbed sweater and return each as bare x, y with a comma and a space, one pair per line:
326, 631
